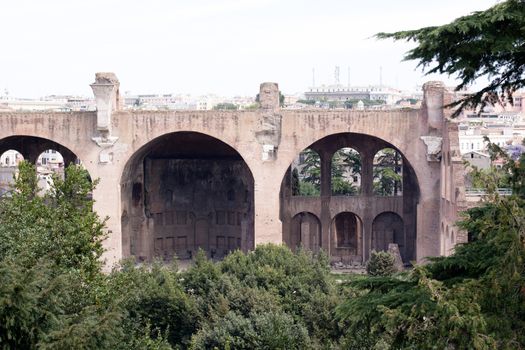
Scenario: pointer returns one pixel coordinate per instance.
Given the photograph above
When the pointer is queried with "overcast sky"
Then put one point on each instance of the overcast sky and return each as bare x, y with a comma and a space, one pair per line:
226, 47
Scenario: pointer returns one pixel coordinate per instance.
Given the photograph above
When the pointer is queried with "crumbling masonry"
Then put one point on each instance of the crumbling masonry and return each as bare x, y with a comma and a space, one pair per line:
175, 181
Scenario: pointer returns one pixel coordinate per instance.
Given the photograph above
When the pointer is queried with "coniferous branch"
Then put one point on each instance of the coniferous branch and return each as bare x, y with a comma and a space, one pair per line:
487, 44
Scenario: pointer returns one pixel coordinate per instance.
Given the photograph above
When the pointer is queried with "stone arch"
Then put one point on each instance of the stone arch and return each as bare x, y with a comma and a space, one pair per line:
366, 204
50, 157
388, 227
32, 146
347, 238
393, 131
367, 145
10, 158
306, 232
346, 168
183, 191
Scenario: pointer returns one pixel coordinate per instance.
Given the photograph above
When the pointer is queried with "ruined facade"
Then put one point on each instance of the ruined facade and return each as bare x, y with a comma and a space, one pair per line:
172, 182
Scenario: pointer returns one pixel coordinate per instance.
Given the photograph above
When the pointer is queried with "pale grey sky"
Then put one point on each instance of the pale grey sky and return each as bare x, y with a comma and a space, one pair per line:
226, 47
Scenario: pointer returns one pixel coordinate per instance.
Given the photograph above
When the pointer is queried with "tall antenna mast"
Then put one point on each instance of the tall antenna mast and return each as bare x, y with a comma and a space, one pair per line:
313, 77
336, 75
348, 77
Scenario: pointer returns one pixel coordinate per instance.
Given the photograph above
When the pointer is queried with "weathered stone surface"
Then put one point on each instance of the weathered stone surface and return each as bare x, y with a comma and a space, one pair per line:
393, 249
197, 203
269, 96
121, 194
106, 91
269, 135
433, 144
106, 78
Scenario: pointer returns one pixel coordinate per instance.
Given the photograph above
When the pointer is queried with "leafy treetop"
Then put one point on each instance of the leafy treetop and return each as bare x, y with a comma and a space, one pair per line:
487, 44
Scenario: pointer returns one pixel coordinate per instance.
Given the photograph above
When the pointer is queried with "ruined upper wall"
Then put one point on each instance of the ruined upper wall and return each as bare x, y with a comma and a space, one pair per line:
267, 139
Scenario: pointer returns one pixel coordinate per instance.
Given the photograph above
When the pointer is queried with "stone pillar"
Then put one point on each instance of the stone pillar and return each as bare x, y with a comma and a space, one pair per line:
367, 235
284, 212
106, 91
268, 227
269, 96
428, 220
107, 201
326, 173
326, 221
326, 195
367, 174
31, 157
433, 93
269, 132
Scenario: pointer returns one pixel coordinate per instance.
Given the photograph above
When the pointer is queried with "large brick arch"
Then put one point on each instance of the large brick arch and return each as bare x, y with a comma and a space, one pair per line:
398, 129
31, 146
138, 129
156, 182
366, 205
140, 149
109, 140
408, 155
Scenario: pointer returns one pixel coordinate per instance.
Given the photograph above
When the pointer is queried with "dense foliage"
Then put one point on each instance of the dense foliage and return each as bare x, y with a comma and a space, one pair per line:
381, 264
345, 165
388, 173
53, 294
473, 299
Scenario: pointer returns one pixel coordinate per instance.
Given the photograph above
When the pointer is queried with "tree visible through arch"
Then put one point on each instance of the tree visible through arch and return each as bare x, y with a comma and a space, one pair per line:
346, 172
388, 173
306, 174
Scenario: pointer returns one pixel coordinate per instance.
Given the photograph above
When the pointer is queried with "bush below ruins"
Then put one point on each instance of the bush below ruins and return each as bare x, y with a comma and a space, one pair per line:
53, 294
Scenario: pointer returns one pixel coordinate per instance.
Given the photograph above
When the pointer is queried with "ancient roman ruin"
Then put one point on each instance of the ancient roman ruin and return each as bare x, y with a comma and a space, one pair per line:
172, 182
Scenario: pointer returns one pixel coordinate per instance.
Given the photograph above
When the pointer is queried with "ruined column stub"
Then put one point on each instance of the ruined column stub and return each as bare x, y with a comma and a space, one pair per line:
106, 91
269, 133
433, 93
269, 96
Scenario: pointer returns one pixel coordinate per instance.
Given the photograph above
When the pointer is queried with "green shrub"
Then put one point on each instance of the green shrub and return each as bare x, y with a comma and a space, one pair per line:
381, 264
269, 330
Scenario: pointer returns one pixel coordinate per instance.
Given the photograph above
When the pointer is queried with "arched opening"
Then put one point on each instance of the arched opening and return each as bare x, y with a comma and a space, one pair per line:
388, 228
306, 174
399, 196
306, 232
347, 238
8, 168
388, 173
48, 156
31, 147
346, 172
51, 159
49, 162
186, 191
11, 158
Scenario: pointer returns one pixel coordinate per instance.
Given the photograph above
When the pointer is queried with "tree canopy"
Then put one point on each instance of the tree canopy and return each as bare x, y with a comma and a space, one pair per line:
487, 44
